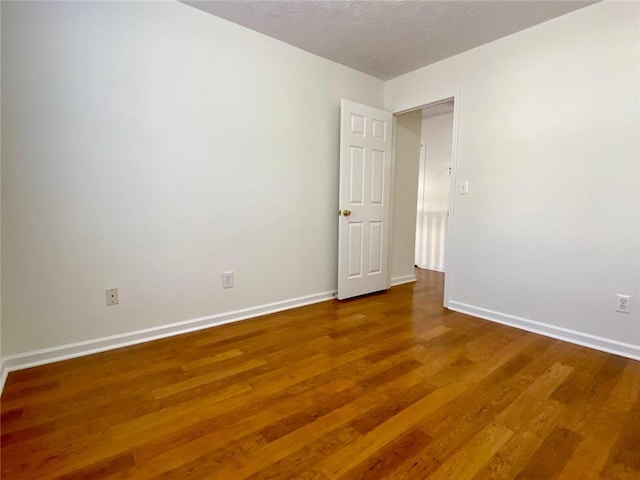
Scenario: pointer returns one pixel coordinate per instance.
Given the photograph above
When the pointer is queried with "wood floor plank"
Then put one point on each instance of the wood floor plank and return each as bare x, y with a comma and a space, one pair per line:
301, 463
474, 454
624, 458
520, 412
387, 459
602, 430
549, 459
507, 462
390, 385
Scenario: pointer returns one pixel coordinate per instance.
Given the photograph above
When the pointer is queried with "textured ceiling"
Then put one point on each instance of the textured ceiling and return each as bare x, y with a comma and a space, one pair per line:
386, 38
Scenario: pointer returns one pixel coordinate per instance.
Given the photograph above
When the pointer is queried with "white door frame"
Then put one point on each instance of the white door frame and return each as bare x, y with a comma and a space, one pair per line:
453, 94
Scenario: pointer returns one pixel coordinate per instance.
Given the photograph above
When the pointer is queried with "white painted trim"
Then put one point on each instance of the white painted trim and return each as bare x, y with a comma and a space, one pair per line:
392, 195
3, 375
405, 279
453, 188
584, 339
436, 268
34, 358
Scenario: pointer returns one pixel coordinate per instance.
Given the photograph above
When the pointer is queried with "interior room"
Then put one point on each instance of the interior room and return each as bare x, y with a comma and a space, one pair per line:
325, 239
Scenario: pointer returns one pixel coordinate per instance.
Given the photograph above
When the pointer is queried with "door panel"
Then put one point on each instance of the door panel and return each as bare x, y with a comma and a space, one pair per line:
375, 247
377, 177
365, 166
355, 250
356, 184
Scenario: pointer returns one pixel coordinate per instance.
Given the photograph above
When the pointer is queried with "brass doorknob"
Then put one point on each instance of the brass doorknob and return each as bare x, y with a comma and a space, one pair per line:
346, 213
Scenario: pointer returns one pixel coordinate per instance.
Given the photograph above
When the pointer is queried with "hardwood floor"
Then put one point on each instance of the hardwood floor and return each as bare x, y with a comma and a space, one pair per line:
387, 386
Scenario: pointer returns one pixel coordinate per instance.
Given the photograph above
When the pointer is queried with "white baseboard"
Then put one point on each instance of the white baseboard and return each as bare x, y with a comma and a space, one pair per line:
584, 339
405, 279
34, 358
437, 268
3, 375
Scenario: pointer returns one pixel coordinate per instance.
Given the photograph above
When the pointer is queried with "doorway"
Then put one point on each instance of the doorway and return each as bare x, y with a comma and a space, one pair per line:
443, 103
434, 186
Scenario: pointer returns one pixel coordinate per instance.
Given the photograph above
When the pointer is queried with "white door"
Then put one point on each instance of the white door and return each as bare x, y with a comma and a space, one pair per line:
365, 181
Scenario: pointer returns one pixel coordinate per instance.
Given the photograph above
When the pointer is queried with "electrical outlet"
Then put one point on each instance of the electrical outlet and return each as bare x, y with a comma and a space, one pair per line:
111, 296
623, 303
227, 279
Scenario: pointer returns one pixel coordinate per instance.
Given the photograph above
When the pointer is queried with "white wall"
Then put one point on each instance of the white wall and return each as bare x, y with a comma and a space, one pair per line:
405, 196
433, 191
1, 362
151, 146
548, 139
